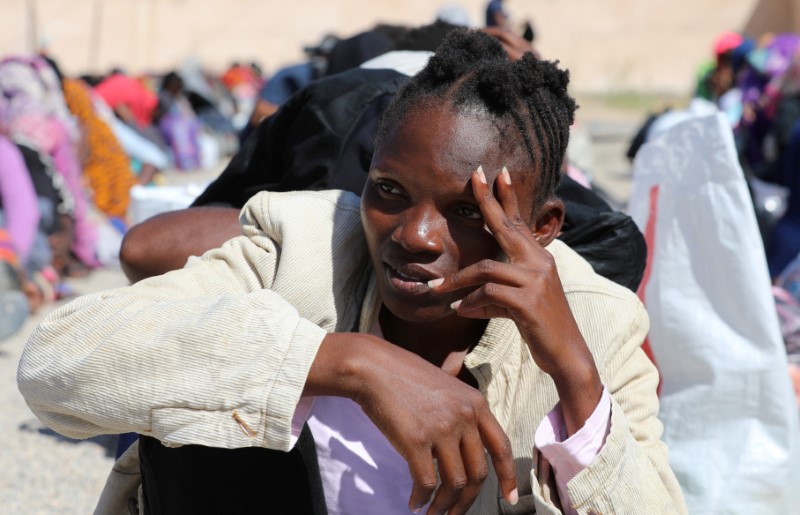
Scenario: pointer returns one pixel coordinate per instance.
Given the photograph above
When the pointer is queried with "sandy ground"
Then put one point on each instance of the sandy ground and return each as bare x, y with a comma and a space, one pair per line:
42, 472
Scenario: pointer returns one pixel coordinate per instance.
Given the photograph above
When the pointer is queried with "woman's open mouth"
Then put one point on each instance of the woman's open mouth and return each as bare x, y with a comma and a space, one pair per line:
408, 281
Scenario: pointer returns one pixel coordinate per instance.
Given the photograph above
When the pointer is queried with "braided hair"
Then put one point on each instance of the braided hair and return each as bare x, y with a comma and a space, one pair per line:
472, 72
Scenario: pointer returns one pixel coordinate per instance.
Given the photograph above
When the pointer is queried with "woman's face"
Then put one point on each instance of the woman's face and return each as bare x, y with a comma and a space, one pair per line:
420, 217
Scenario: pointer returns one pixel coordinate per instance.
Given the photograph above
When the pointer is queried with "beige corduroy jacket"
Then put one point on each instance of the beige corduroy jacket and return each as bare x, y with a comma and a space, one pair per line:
235, 331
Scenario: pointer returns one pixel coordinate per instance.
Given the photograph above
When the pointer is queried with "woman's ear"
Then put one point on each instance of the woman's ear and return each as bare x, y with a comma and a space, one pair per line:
546, 225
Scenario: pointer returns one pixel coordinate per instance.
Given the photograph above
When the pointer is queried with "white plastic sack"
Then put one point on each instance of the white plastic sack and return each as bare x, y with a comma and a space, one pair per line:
729, 416
148, 201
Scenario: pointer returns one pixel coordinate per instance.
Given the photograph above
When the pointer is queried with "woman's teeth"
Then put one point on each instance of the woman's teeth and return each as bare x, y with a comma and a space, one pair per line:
405, 277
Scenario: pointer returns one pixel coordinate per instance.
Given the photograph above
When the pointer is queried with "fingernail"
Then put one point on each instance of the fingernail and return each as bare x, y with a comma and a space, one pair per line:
486, 228
433, 283
417, 509
481, 175
513, 497
455, 305
506, 176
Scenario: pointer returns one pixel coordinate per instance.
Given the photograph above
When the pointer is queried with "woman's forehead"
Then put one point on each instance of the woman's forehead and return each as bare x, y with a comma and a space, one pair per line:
436, 149
465, 139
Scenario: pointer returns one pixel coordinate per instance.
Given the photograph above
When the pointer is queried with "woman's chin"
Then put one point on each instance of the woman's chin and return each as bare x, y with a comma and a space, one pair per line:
417, 314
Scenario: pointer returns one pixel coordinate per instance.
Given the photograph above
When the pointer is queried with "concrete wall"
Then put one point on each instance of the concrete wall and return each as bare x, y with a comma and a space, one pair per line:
609, 45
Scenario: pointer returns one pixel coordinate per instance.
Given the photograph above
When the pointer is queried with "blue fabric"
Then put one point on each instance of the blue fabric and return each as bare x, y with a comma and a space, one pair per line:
124, 441
785, 241
494, 7
286, 82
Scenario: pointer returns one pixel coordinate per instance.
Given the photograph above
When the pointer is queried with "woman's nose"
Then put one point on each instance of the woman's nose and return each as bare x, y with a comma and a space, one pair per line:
419, 231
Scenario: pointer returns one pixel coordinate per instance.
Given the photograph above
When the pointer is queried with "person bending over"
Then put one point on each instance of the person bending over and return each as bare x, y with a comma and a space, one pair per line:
410, 332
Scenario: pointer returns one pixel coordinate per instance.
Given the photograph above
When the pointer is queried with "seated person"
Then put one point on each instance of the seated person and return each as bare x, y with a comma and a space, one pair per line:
410, 332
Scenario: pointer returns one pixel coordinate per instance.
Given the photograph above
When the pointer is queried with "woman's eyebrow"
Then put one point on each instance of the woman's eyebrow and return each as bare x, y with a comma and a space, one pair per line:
383, 171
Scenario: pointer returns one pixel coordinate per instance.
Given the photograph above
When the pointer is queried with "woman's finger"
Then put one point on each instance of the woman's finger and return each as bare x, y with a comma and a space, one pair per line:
476, 466
499, 447
506, 230
453, 477
494, 300
423, 473
482, 272
508, 197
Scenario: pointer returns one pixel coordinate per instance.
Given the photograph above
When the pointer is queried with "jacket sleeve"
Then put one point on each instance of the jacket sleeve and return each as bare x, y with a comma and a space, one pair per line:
205, 355
631, 473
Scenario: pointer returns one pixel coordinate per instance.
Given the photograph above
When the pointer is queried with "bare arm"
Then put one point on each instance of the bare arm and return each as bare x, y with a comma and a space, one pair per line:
164, 243
263, 109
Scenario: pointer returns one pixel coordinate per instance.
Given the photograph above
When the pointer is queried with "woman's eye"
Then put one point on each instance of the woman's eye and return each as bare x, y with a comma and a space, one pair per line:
473, 213
385, 187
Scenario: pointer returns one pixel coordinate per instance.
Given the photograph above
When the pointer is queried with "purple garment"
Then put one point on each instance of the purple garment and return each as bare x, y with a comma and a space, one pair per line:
67, 164
781, 50
19, 204
181, 133
33, 112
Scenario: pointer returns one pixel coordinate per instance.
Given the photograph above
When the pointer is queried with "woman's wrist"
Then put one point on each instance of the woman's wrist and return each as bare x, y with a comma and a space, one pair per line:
579, 390
338, 368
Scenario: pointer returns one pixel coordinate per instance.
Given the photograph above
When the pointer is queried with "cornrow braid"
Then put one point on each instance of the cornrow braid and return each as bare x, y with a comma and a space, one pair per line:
472, 71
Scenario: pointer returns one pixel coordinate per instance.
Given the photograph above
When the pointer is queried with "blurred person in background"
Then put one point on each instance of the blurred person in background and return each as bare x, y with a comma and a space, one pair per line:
106, 167
14, 304
243, 84
329, 57
134, 103
35, 114
497, 16
287, 80
213, 104
19, 223
178, 123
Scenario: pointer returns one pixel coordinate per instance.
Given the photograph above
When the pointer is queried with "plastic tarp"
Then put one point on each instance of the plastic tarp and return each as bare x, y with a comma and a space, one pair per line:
729, 415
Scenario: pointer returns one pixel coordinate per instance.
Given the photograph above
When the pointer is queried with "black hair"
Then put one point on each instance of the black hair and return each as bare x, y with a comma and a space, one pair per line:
54, 65
171, 78
427, 37
472, 72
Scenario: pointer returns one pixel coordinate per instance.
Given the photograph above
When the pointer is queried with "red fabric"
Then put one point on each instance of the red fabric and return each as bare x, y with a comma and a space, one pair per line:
726, 42
123, 90
650, 239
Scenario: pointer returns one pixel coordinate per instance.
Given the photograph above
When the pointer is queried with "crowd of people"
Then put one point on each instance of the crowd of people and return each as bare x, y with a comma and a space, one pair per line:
458, 289
71, 149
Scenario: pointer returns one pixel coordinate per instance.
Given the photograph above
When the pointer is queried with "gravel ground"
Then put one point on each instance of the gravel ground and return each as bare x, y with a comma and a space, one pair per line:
42, 472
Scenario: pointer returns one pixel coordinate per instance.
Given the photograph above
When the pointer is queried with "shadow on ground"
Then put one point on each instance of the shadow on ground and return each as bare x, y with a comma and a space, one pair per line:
107, 442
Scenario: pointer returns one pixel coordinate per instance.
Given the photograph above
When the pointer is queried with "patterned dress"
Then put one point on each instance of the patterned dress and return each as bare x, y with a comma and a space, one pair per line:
107, 169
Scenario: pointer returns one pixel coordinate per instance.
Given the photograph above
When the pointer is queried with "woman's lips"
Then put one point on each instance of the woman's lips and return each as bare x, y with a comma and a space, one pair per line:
407, 282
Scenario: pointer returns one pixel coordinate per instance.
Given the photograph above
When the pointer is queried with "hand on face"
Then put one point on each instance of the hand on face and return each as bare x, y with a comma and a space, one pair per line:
526, 289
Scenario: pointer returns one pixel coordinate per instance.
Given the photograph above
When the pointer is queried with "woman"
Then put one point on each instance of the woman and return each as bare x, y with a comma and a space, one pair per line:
33, 113
459, 338
106, 167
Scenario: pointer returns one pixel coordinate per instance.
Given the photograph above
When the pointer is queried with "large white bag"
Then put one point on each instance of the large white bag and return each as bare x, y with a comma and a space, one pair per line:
729, 415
